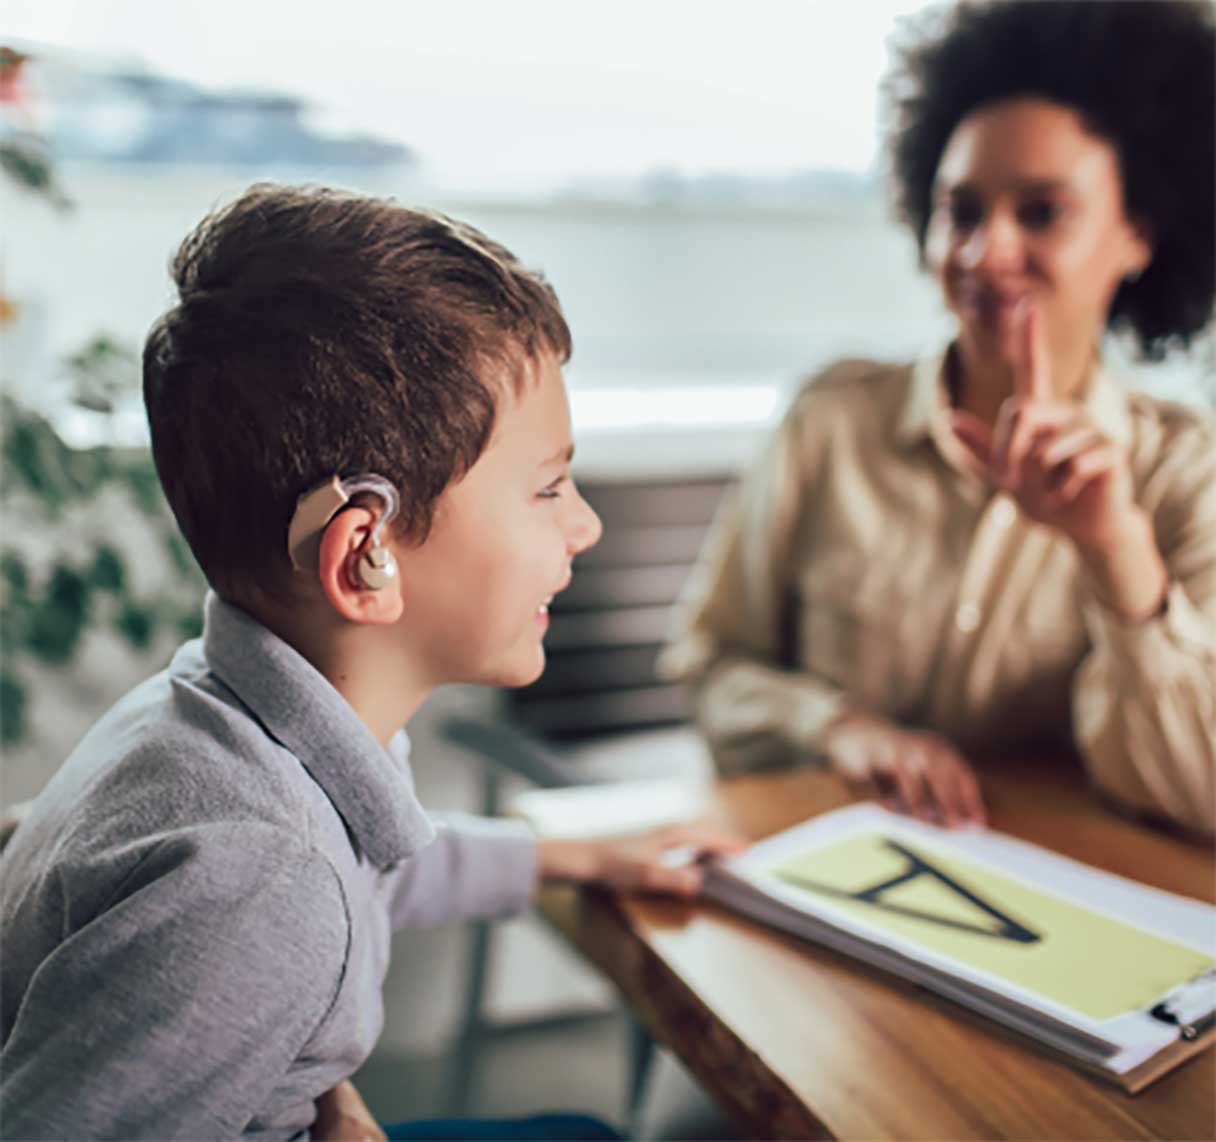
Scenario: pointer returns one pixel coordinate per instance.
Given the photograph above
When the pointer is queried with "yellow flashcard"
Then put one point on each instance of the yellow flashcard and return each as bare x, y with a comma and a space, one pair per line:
1062, 951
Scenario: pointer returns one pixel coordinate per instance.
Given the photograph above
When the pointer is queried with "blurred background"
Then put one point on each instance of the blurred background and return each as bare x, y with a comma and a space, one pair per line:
702, 184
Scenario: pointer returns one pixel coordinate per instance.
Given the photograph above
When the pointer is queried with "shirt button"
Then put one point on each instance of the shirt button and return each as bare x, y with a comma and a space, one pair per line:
967, 617
1003, 513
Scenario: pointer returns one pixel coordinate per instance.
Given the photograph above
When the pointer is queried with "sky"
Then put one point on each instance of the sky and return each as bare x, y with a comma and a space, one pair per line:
532, 90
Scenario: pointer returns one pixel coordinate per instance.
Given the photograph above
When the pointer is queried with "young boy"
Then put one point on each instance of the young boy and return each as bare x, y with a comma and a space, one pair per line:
359, 420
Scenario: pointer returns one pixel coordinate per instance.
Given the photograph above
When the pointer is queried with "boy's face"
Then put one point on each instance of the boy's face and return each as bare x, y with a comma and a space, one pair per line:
477, 591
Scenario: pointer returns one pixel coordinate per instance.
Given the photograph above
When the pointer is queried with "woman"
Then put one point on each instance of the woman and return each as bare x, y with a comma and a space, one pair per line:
998, 548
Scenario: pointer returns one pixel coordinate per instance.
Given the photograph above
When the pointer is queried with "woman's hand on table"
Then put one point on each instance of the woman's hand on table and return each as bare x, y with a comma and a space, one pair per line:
665, 860
910, 771
1063, 472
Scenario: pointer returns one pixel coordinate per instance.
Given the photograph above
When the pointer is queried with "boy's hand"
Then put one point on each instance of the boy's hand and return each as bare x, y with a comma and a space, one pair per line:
342, 1116
660, 860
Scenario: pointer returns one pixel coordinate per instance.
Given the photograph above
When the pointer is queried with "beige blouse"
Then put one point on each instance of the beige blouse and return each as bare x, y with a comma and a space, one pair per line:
864, 560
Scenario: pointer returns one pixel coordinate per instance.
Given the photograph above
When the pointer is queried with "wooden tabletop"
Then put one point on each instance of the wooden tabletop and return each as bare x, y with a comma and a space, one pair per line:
794, 1041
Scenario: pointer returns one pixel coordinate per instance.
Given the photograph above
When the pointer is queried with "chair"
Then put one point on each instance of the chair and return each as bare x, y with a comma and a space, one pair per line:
599, 712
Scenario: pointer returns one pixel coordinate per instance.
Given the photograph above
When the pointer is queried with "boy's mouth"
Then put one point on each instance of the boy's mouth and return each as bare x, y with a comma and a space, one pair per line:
542, 612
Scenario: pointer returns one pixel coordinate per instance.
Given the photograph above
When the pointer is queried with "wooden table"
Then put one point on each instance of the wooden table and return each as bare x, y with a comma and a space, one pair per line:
794, 1041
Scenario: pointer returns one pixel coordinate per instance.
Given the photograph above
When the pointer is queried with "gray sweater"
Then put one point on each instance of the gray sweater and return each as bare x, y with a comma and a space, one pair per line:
196, 915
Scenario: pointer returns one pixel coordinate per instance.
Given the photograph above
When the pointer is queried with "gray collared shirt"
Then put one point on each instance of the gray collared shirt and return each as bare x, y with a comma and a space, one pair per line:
196, 915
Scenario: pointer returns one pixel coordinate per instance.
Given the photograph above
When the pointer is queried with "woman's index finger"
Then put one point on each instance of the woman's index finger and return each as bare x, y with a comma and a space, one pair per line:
1032, 380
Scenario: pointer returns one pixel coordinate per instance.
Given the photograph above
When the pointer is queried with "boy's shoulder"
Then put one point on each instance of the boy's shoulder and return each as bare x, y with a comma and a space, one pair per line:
178, 772
182, 747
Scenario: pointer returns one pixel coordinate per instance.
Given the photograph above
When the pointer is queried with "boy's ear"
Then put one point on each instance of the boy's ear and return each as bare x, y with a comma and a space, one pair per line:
346, 540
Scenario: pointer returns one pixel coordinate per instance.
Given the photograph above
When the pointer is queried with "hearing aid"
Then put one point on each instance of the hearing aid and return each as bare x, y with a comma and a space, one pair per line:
315, 510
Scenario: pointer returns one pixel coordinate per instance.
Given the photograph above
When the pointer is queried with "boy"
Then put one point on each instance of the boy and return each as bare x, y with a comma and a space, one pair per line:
358, 418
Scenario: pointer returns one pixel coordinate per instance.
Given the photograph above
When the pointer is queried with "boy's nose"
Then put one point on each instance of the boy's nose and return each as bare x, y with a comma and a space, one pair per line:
586, 528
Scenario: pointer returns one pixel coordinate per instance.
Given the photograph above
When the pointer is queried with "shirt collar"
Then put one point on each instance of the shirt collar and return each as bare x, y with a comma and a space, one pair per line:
926, 408
300, 709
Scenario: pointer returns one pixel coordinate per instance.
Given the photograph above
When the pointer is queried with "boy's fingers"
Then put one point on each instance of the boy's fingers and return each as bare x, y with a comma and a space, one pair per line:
705, 839
684, 881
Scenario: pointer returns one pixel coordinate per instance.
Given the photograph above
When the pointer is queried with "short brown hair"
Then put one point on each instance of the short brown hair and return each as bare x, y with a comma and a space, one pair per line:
321, 333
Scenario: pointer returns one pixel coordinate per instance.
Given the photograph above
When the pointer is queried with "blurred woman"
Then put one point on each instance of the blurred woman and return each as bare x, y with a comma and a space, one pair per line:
999, 548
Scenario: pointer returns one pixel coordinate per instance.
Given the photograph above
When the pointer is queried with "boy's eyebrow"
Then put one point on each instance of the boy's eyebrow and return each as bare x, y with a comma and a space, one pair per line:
562, 455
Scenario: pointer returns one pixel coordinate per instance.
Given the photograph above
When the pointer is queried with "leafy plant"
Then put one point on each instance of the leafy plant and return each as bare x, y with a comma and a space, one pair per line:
46, 612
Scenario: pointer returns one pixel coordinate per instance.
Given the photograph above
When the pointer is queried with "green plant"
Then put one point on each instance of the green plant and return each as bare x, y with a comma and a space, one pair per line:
46, 609
101, 373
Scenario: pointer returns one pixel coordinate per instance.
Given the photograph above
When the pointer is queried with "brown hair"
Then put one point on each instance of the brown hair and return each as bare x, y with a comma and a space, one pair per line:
323, 333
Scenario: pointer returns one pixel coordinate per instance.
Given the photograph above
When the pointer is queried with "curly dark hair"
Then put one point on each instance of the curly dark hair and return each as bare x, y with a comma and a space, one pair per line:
1142, 76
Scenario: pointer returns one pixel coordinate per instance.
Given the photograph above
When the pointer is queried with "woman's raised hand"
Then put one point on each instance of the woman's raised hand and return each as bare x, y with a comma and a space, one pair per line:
1050, 457
1065, 473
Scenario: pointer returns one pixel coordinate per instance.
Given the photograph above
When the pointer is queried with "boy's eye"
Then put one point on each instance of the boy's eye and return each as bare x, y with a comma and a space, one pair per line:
554, 490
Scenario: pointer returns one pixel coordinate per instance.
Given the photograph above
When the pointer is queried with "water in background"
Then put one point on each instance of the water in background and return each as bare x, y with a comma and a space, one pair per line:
658, 296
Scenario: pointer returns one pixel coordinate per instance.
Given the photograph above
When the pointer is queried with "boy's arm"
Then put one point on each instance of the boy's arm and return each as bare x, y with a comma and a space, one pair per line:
666, 860
179, 1008
482, 867
475, 866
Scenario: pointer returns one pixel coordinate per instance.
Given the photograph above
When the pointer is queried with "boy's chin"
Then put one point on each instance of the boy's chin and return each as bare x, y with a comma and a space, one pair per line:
523, 671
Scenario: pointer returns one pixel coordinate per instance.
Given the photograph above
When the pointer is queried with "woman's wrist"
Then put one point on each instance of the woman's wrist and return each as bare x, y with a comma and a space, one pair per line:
1128, 570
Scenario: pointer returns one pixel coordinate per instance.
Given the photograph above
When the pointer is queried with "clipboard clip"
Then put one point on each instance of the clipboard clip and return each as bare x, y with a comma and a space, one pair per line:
1191, 1006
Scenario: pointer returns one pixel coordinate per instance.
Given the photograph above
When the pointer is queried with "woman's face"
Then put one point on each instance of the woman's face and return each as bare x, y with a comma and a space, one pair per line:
1028, 208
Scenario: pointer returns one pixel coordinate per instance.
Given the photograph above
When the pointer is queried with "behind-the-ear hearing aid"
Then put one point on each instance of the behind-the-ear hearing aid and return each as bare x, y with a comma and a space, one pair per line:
316, 508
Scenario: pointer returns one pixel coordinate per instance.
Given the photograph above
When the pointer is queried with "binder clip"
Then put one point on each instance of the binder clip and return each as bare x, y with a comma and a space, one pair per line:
1191, 1006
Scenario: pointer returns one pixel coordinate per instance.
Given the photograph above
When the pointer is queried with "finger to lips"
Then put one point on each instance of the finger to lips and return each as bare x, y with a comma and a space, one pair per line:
1032, 394
1018, 425
1032, 380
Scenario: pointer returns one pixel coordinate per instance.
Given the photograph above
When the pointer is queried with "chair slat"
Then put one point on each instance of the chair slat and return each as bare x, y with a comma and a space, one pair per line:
616, 711
603, 588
